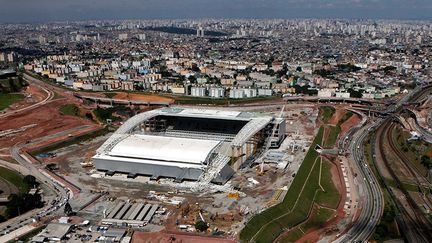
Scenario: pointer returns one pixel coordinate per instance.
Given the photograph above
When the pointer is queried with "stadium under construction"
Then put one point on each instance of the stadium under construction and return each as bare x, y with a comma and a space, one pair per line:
204, 145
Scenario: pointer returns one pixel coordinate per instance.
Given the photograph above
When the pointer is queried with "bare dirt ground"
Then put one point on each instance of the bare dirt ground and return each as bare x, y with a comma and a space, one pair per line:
141, 97
336, 116
47, 118
162, 237
352, 121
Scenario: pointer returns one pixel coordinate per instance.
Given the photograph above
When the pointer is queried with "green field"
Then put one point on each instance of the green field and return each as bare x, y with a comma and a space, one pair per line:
318, 218
8, 99
69, 109
312, 185
14, 178
327, 112
332, 137
347, 115
268, 225
330, 196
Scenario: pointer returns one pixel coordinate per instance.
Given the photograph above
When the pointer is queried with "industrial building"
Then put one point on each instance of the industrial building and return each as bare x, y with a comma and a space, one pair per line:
131, 214
203, 145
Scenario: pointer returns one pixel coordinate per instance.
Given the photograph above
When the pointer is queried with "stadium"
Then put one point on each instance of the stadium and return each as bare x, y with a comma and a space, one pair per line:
202, 145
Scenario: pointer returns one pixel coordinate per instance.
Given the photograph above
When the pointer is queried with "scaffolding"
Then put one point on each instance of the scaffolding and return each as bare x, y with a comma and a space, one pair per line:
250, 129
211, 171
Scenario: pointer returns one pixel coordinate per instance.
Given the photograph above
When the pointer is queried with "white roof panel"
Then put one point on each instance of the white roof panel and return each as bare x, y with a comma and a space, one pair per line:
151, 162
164, 148
211, 113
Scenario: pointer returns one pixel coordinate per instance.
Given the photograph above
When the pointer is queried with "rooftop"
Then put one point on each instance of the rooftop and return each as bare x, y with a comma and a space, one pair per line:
163, 148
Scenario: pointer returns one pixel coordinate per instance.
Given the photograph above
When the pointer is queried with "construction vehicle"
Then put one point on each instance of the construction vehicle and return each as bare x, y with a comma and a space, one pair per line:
87, 163
234, 195
260, 170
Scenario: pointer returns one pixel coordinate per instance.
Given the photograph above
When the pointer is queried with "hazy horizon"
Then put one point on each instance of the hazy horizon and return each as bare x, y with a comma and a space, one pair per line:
24, 11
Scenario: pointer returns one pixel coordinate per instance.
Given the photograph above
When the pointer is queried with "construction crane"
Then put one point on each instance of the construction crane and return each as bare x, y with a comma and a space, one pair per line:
260, 171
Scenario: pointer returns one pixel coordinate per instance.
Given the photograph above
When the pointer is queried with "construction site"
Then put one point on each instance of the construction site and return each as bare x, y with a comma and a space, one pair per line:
167, 168
260, 169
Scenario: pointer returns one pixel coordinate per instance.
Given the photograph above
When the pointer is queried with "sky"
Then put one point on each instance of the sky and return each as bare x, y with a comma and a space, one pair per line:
24, 11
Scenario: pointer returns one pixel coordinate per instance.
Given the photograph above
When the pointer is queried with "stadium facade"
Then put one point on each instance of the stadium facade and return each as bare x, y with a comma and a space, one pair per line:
188, 144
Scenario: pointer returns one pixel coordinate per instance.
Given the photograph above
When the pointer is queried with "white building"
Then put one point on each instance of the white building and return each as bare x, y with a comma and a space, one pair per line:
342, 94
216, 92
265, 92
198, 91
123, 36
326, 93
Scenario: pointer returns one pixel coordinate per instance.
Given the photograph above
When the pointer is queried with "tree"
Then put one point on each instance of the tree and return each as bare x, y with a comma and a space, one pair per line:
355, 93
192, 79
68, 209
30, 181
201, 225
426, 162
21, 203
195, 68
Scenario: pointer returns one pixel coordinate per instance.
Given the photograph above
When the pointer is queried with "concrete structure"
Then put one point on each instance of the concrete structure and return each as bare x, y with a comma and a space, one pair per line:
186, 144
131, 214
53, 232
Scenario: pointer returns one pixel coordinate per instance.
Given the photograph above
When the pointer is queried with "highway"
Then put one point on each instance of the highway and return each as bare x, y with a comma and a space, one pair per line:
330, 99
372, 200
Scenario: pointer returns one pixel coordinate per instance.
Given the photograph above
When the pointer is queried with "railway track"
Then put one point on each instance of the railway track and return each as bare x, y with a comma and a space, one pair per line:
420, 180
415, 225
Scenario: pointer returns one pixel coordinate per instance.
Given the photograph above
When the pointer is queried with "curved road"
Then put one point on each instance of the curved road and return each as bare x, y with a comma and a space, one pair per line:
50, 96
372, 200
62, 192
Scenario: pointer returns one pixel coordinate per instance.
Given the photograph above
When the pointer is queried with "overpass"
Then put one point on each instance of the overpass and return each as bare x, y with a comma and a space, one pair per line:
110, 101
331, 99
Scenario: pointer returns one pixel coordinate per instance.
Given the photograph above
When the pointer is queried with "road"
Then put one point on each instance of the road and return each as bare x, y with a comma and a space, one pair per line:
61, 191
372, 200
50, 96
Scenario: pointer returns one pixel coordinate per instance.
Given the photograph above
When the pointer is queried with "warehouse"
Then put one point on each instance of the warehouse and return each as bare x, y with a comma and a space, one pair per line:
187, 144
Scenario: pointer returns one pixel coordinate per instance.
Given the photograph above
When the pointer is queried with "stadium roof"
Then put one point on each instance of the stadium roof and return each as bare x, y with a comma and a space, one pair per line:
172, 149
256, 121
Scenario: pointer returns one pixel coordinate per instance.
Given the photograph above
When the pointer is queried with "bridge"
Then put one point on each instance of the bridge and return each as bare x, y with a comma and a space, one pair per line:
110, 101
331, 99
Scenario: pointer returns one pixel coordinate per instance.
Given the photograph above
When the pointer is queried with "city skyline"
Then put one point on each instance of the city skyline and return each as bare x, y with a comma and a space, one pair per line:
49, 10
